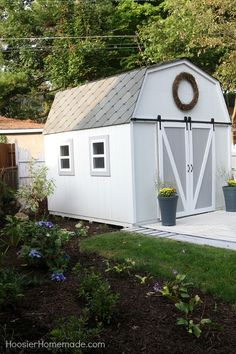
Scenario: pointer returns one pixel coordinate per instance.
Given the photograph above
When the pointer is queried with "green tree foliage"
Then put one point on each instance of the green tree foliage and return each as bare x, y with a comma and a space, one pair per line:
52, 44
203, 30
47, 45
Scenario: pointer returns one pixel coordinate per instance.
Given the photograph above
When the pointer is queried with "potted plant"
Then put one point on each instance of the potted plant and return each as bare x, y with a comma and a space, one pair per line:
230, 195
168, 198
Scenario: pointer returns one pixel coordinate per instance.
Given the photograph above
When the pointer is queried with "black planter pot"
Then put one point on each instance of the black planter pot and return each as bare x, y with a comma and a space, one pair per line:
168, 207
230, 198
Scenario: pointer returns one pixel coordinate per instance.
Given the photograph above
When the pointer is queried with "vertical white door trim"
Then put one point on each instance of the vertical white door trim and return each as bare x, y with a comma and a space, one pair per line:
213, 171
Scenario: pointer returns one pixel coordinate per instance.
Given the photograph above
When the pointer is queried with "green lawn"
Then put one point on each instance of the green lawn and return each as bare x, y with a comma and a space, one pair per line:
211, 269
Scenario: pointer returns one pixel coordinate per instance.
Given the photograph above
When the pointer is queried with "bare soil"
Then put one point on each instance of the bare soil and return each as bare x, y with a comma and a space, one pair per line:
141, 323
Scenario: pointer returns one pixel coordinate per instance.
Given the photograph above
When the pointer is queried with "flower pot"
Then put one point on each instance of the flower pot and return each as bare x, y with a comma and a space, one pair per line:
168, 207
230, 198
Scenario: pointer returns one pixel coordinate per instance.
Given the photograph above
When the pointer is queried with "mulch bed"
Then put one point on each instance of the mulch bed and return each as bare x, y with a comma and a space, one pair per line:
140, 324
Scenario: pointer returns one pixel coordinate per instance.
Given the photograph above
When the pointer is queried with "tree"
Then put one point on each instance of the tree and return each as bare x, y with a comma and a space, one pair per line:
203, 30
48, 45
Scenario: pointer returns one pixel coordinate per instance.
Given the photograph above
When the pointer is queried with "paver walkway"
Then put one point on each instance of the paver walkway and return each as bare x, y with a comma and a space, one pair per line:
216, 229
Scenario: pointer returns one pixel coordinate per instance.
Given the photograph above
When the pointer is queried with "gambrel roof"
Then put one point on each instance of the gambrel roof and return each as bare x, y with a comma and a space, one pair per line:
101, 103
113, 100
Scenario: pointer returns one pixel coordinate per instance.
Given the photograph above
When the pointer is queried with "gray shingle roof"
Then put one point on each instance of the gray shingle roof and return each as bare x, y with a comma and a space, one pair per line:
96, 104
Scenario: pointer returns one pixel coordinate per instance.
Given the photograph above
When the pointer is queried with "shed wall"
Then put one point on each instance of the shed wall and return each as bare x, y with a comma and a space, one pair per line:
145, 171
156, 95
102, 198
223, 161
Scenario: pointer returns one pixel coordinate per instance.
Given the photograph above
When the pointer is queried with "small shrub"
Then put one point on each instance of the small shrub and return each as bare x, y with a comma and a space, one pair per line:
12, 231
40, 188
177, 290
74, 330
100, 300
120, 267
81, 230
11, 286
43, 244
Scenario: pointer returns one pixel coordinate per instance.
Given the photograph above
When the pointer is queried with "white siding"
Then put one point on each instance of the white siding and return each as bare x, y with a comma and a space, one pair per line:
223, 161
145, 171
156, 95
101, 198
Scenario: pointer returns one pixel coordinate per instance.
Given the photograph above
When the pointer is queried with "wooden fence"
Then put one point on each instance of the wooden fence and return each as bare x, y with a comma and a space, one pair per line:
8, 168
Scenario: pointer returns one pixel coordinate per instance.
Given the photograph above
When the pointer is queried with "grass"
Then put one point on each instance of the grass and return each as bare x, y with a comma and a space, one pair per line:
213, 270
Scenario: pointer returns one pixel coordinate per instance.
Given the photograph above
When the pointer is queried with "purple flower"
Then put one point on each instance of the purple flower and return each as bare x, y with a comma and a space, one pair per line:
157, 287
58, 276
47, 224
35, 254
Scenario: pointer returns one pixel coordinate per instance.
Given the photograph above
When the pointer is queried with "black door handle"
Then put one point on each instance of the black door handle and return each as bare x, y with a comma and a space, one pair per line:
191, 168
188, 167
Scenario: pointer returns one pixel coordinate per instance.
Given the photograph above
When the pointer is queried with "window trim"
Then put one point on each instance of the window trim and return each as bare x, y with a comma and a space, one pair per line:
106, 155
66, 171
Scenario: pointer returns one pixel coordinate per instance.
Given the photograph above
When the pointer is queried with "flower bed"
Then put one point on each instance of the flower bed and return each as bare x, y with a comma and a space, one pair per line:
136, 322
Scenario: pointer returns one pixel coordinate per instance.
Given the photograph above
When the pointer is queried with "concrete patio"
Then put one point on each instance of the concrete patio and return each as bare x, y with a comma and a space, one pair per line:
216, 229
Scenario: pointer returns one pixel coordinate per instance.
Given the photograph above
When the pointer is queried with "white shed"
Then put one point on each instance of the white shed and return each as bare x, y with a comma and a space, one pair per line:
107, 142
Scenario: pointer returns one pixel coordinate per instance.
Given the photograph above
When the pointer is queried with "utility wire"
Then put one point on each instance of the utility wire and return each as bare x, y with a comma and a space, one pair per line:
67, 37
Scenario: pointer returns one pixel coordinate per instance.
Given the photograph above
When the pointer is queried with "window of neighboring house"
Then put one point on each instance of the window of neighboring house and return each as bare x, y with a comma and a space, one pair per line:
99, 156
66, 159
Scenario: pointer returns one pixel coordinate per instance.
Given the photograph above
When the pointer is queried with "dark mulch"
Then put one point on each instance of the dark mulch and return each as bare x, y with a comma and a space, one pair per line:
140, 324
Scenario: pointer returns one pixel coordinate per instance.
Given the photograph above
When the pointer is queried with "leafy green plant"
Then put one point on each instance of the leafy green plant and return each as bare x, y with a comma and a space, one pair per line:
99, 299
81, 230
120, 267
11, 286
43, 244
177, 290
74, 330
3, 139
187, 321
40, 188
12, 231
141, 279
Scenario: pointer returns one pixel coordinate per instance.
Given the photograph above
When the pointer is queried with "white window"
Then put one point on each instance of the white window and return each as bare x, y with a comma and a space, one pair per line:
99, 156
66, 159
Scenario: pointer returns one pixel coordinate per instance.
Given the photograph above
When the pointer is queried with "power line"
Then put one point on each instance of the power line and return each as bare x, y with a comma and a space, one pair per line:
67, 37
31, 49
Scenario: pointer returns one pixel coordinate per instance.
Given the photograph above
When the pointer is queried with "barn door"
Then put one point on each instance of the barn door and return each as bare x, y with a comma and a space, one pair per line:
186, 156
173, 142
201, 138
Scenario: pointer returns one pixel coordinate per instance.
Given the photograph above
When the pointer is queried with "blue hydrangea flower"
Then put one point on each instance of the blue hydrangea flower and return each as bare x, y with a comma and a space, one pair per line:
157, 287
47, 224
66, 256
57, 276
35, 254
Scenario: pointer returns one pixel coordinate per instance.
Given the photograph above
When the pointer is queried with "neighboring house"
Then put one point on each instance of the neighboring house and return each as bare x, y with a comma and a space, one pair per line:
28, 139
107, 142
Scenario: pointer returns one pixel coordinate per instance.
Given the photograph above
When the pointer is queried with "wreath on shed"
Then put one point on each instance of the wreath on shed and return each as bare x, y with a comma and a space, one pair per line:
190, 79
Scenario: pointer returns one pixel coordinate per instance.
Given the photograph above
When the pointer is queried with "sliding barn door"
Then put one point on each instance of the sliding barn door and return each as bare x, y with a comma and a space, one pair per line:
202, 183
186, 159
173, 159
